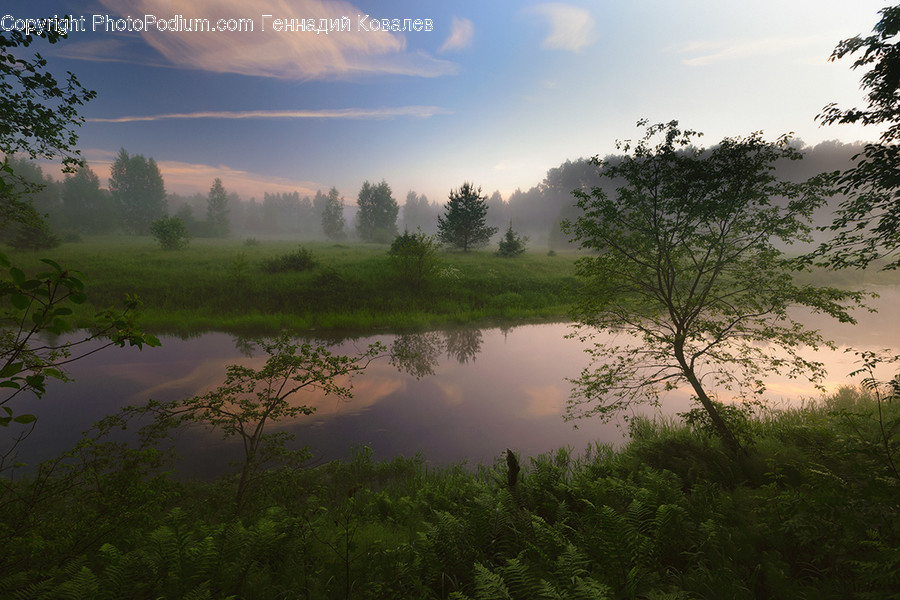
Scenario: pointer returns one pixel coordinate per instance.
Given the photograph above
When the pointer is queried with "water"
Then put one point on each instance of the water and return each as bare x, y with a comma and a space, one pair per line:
476, 393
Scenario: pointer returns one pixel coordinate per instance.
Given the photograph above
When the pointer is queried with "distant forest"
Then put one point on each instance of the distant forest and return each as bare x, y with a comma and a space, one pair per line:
135, 196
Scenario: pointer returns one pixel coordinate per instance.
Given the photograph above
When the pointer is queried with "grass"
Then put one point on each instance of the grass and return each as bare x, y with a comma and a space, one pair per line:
809, 512
223, 285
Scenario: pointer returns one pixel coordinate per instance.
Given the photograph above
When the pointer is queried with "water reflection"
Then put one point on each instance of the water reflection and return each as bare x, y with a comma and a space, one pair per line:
419, 354
452, 395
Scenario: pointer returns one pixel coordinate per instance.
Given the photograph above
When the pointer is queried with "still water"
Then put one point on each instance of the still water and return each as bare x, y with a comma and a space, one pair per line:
471, 394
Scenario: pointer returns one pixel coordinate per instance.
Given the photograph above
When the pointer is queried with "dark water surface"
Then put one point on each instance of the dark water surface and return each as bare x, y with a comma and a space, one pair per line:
476, 392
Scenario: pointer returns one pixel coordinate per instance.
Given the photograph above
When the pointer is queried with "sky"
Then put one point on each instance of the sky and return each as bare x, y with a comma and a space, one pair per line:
495, 93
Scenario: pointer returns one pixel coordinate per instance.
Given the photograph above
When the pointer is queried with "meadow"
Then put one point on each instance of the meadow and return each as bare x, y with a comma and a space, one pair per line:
222, 285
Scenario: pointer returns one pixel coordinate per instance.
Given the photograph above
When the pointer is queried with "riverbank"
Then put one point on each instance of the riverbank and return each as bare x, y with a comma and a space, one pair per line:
808, 512
222, 285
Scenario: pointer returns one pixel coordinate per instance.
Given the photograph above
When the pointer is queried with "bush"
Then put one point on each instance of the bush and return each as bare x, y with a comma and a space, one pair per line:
511, 244
170, 232
34, 235
413, 256
299, 260
251, 241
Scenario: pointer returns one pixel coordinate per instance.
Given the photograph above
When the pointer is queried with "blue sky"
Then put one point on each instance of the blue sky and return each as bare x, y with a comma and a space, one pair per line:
497, 93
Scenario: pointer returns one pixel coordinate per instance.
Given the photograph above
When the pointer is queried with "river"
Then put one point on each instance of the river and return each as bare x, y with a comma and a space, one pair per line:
472, 394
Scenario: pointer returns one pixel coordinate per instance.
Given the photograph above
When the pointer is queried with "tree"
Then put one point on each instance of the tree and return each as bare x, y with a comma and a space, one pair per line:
463, 223
512, 244
38, 115
217, 210
688, 260
376, 220
333, 216
417, 212
170, 232
37, 111
252, 399
85, 207
138, 190
868, 221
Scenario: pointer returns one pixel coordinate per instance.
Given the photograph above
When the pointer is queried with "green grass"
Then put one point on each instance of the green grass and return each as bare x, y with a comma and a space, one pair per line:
809, 512
221, 285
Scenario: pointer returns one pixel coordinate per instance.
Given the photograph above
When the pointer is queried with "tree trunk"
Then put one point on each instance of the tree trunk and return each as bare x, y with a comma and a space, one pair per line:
721, 427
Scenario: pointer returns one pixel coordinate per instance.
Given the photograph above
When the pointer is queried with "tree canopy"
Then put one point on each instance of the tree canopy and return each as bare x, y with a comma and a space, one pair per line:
137, 187
867, 224
463, 224
376, 220
688, 260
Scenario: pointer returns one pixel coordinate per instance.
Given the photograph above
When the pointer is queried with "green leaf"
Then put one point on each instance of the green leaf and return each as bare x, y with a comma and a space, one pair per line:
20, 301
10, 384
52, 263
18, 276
11, 369
25, 419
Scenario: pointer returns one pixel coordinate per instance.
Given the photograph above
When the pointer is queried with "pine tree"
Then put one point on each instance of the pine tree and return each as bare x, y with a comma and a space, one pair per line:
463, 224
511, 244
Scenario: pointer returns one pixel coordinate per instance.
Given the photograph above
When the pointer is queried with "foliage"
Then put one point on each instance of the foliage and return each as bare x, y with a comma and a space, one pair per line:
32, 306
688, 262
137, 188
463, 223
868, 221
85, 207
333, 216
414, 258
354, 286
808, 513
36, 110
217, 210
34, 234
376, 220
252, 400
299, 260
170, 232
511, 244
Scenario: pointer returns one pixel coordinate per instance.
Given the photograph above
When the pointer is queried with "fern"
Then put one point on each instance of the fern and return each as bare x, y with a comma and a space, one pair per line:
489, 585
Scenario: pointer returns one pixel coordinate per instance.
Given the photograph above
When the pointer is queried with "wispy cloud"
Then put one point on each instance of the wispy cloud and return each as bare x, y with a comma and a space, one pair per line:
190, 178
571, 27
294, 55
461, 33
421, 112
711, 52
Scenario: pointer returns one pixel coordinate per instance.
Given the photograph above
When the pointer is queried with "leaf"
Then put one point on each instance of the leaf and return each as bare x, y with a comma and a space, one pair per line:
20, 301
52, 263
18, 276
55, 373
25, 419
11, 369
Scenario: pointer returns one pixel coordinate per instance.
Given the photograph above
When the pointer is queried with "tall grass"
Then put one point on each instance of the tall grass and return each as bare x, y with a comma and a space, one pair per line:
809, 513
225, 285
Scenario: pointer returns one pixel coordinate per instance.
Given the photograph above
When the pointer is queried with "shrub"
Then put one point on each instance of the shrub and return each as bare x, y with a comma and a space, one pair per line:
511, 244
170, 232
413, 256
299, 260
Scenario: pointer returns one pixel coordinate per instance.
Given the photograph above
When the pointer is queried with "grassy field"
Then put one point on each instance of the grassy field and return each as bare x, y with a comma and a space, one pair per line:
220, 285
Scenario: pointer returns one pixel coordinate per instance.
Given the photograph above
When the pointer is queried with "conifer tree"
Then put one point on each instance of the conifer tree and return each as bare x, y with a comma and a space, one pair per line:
463, 224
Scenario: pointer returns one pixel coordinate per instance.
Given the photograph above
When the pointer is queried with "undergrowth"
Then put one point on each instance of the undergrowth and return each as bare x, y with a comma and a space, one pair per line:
810, 511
